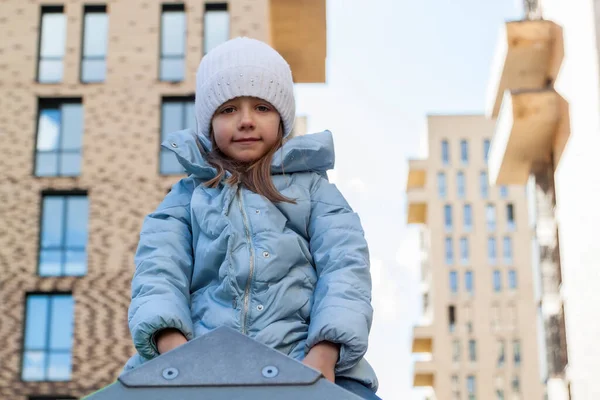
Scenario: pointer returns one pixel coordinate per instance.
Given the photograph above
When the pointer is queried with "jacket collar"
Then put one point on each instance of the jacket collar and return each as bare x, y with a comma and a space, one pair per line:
308, 153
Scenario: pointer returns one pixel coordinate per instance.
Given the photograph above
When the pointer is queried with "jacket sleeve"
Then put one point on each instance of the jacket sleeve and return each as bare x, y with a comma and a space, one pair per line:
341, 311
160, 288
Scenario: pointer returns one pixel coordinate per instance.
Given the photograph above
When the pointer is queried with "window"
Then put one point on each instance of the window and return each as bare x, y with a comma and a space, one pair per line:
177, 114
216, 25
48, 337
497, 281
516, 384
451, 318
510, 217
501, 355
464, 152
512, 279
455, 350
468, 317
512, 316
441, 179
172, 43
484, 185
517, 352
449, 251
469, 282
464, 251
471, 387
496, 317
507, 250
448, 217
467, 314
59, 137
53, 36
95, 35
63, 236
453, 282
472, 351
445, 152
486, 149
467, 218
455, 388
460, 184
503, 191
490, 217
492, 250
499, 394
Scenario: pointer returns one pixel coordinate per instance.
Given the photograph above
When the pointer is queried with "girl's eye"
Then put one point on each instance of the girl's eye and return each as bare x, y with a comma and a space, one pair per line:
263, 108
227, 110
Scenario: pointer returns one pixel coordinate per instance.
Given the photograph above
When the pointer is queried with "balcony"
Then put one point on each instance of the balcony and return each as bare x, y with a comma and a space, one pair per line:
526, 132
422, 339
299, 34
424, 374
415, 189
528, 56
417, 175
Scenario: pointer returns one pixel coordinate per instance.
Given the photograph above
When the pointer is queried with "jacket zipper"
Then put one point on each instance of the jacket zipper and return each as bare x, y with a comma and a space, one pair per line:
249, 281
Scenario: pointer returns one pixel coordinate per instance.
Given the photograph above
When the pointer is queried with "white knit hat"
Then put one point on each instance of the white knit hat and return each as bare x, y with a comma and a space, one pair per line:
244, 67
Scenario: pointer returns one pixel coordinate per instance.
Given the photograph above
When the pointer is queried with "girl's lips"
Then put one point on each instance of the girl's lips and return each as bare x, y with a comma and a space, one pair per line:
246, 140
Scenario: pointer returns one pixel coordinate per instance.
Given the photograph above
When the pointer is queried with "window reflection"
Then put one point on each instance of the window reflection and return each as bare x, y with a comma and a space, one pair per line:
177, 114
64, 235
48, 338
216, 25
59, 138
172, 55
52, 45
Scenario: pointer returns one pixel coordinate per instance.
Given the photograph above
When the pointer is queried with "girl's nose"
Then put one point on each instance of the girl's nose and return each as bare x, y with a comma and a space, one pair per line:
246, 119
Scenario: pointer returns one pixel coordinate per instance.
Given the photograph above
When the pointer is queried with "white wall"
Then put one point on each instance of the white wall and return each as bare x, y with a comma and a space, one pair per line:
578, 191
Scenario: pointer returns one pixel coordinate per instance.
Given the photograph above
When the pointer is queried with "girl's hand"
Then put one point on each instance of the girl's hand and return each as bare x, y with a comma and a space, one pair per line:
323, 356
168, 339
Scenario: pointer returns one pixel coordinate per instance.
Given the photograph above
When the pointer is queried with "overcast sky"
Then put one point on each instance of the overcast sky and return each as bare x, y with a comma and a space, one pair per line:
390, 63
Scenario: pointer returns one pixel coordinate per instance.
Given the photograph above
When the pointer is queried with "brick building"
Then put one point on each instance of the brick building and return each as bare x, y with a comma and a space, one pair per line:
87, 92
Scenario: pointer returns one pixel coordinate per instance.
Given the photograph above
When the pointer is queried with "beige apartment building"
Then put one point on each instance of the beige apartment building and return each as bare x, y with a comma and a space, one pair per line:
477, 338
544, 93
88, 90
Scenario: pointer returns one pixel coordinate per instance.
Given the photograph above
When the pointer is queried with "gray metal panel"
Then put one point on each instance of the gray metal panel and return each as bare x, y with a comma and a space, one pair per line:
220, 358
222, 365
321, 390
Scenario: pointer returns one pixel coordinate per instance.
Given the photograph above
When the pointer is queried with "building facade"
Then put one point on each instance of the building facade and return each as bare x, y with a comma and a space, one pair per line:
88, 92
476, 338
544, 91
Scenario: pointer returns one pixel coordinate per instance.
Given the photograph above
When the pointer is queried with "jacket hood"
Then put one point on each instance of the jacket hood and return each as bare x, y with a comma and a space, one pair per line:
308, 153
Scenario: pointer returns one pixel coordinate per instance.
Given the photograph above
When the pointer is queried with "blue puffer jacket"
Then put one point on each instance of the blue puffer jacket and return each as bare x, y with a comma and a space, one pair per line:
287, 275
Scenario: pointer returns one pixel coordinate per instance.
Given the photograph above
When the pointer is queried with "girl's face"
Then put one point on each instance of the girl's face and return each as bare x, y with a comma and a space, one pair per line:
246, 128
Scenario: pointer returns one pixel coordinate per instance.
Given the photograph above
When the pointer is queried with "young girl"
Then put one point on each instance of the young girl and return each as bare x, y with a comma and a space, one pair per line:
255, 238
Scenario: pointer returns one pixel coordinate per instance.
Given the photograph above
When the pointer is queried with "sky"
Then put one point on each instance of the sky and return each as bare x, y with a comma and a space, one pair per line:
390, 63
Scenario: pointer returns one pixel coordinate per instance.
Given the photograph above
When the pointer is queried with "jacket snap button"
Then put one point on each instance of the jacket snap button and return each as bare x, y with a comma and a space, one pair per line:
260, 307
173, 144
266, 254
258, 211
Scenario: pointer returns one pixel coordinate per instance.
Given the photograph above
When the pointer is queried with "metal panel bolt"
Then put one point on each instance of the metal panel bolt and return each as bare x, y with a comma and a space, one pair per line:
170, 373
270, 371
